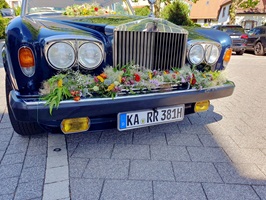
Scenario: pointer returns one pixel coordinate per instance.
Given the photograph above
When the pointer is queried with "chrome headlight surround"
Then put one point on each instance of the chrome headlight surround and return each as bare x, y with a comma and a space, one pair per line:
61, 55
90, 55
196, 54
75, 42
207, 52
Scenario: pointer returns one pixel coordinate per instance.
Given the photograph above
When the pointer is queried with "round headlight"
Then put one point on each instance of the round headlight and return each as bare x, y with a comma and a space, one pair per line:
212, 54
90, 55
196, 54
61, 55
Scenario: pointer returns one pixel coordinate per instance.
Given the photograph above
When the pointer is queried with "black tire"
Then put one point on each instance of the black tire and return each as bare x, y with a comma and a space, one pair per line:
22, 128
240, 52
259, 49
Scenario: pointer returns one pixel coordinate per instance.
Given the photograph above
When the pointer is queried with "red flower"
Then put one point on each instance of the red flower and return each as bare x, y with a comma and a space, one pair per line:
96, 9
137, 77
193, 80
106, 12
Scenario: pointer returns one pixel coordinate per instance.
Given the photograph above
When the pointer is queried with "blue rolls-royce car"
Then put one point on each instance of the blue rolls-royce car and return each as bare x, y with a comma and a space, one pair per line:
77, 66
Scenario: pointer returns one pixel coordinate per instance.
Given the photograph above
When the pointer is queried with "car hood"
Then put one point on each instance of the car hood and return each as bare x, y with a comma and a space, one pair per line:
106, 24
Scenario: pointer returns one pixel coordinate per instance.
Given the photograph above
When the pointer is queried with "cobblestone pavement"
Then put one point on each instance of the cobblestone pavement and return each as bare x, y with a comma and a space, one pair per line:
219, 154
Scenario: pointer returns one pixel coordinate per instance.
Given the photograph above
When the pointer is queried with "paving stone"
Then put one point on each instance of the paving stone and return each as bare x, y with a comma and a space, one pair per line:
93, 151
151, 170
165, 128
131, 152
241, 173
13, 159
209, 141
77, 167
225, 191
17, 148
197, 119
89, 189
33, 173
35, 161
18, 139
86, 138
54, 151
38, 140
8, 171
171, 153
56, 191
37, 150
183, 140
2, 154
29, 190
5, 125
207, 154
127, 189
193, 129
8, 185
4, 145
7, 197
107, 168
177, 191
56, 161
238, 155
196, 172
149, 138
56, 174
261, 191
251, 142
117, 137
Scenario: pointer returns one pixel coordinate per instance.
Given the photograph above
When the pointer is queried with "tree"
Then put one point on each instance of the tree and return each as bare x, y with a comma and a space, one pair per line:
243, 4
3, 4
178, 13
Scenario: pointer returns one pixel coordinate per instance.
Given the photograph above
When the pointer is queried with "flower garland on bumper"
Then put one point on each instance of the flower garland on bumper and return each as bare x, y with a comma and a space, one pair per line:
127, 80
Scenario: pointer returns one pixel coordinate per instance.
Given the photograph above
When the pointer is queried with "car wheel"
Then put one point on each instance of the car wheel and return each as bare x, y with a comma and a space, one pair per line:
22, 128
240, 52
258, 49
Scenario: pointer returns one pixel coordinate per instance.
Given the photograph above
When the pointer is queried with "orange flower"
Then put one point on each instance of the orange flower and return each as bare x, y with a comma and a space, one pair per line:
103, 75
76, 98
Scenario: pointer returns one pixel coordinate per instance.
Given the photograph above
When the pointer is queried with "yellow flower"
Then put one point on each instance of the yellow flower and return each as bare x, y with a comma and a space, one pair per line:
119, 79
111, 87
204, 76
100, 78
60, 83
150, 75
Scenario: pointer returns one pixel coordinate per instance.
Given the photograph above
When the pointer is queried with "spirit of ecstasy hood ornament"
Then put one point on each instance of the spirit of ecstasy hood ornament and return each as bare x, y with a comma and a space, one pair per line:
151, 2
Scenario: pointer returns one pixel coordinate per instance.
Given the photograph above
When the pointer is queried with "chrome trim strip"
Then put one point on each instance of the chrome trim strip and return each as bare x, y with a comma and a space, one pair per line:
206, 90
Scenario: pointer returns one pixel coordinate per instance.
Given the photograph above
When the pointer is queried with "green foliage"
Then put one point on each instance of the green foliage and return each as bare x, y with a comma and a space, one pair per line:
177, 13
3, 24
17, 10
142, 11
243, 4
3, 4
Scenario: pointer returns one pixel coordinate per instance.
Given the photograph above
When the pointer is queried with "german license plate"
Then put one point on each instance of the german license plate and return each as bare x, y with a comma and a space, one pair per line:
142, 118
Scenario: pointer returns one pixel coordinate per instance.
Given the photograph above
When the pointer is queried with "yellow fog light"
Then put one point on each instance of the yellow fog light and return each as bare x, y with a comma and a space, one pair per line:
202, 106
75, 125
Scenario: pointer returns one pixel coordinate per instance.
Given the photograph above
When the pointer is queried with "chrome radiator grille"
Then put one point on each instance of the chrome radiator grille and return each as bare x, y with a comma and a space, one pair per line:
152, 50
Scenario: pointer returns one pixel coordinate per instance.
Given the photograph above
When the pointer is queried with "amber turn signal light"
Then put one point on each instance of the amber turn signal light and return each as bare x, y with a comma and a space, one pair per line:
75, 125
202, 106
26, 58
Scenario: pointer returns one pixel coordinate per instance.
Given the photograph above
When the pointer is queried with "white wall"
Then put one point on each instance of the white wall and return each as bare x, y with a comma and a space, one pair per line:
224, 15
260, 19
14, 3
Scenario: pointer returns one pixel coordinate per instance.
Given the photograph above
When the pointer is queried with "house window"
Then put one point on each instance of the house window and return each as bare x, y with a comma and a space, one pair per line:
223, 11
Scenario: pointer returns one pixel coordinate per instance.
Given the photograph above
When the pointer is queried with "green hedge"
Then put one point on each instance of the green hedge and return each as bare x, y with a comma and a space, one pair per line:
142, 11
3, 24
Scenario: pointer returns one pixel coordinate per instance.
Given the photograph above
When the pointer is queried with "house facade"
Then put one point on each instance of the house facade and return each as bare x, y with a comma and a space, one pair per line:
14, 3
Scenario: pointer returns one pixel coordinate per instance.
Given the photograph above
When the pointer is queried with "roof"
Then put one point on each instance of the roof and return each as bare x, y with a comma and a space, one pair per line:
205, 9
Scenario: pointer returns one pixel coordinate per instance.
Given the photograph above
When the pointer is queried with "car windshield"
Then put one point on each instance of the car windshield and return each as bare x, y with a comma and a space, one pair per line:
233, 29
78, 7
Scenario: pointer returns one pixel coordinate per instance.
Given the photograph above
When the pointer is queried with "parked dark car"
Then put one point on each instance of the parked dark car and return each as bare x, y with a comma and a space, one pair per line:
238, 36
74, 66
256, 41
7, 12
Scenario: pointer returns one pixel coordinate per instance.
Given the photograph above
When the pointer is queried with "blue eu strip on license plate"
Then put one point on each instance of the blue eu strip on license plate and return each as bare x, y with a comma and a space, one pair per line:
142, 118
